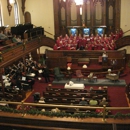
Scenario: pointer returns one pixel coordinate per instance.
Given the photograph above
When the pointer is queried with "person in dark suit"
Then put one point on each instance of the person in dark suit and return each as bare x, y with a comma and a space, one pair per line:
83, 102
18, 83
46, 74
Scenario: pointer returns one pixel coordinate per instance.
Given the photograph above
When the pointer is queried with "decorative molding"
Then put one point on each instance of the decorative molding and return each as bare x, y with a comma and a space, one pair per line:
95, 2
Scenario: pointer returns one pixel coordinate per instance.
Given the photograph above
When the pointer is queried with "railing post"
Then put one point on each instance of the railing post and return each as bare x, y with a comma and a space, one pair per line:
104, 113
22, 105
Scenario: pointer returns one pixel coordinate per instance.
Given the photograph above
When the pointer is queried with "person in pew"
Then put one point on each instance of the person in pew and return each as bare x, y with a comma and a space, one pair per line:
19, 39
48, 87
15, 40
91, 89
9, 34
41, 100
71, 110
103, 102
93, 102
3, 36
83, 102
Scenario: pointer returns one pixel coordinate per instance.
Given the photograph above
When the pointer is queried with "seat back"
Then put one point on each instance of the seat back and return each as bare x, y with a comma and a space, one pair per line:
100, 59
56, 71
78, 73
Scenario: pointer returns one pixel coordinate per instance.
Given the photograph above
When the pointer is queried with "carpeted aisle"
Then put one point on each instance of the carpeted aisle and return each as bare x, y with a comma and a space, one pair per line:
116, 92
117, 98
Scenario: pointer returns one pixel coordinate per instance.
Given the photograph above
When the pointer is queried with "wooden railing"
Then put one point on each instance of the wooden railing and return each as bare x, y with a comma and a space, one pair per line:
14, 53
104, 109
58, 57
122, 42
33, 119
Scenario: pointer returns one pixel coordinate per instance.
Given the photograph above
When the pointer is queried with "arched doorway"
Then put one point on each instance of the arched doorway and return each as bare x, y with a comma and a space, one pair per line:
27, 17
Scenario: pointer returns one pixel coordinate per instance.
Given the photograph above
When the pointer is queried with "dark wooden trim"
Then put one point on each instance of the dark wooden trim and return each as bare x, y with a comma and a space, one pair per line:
23, 6
42, 122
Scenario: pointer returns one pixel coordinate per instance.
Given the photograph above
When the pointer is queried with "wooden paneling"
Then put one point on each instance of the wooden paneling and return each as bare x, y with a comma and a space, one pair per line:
124, 41
57, 62
93, 21
120, 56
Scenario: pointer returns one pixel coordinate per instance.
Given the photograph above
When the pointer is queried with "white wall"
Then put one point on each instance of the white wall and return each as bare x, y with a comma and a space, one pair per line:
9, 20
125, 16
42, 14
125, 20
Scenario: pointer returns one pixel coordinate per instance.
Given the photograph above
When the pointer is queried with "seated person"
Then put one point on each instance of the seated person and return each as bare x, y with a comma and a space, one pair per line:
103, 102
83, 102
71, 110
91, 89
3, 36
16, 40
9, 34
49, 87
93, 102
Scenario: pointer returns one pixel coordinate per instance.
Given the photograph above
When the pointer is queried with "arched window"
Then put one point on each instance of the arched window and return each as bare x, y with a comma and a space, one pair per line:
1, 23
16, 14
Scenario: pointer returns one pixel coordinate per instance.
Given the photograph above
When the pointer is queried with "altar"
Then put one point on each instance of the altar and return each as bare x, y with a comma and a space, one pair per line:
74, 86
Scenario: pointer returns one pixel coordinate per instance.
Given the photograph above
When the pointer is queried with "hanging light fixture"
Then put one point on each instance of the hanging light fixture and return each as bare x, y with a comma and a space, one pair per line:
11, 1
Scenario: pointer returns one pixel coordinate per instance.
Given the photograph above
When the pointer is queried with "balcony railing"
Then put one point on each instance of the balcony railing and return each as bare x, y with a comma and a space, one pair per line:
24, 110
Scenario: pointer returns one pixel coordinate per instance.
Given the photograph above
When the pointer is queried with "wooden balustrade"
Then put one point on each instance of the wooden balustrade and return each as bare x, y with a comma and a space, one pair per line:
52, 56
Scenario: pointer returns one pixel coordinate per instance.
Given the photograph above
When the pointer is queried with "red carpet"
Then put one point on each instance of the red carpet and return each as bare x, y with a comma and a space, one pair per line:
116, 94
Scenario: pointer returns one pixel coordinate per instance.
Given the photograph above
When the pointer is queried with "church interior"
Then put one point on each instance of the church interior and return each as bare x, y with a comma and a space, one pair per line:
64, 65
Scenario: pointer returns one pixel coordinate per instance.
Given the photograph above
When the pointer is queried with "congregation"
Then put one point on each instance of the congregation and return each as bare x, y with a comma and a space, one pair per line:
7, 37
